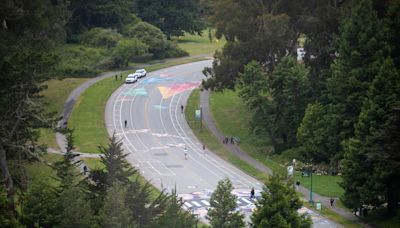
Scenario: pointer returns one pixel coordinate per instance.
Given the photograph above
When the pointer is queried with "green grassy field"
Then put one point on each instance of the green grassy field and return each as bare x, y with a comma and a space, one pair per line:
87, 117
322, 184
205, 136
334, 217
197, 45
55, 95
232, 117
39, 172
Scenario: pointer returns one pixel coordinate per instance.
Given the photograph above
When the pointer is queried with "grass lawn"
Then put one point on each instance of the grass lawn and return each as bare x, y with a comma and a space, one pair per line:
232, 117
37, 171
324, 185
205, 136
87, 117
333, 216
196, 45
55, 95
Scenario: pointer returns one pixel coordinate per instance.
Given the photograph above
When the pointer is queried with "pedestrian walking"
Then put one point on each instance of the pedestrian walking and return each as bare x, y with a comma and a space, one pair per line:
252, 193
226, 139
126, 123
204, 147
185, 153
116, 77
232, 141
120, 76
297, 185
84, 170
181, 108
332, 200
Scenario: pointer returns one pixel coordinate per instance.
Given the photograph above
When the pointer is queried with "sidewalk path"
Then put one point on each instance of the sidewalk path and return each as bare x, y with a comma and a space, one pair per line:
237, 151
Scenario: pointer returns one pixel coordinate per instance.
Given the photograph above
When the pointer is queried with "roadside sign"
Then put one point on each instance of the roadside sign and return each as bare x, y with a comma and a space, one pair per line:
198, 114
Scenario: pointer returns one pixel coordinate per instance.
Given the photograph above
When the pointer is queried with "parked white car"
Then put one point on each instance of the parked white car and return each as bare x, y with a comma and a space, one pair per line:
131, 78
141, 72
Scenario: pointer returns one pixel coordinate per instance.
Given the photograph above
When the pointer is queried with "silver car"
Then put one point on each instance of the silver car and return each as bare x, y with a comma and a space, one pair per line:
131, 78
141, 72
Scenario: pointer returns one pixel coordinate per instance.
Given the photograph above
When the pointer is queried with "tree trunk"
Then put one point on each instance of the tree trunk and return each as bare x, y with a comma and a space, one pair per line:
8, 181
392, 199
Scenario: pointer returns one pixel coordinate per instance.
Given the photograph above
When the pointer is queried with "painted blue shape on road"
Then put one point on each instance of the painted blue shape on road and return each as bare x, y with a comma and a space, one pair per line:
160, 107
141, 92
153, 80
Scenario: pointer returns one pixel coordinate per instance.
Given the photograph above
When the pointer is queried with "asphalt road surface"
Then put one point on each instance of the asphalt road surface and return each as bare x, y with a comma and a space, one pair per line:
157, 136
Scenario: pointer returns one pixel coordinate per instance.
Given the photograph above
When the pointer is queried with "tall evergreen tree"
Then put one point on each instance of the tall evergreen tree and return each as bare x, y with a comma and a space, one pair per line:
278, 206
115, 213
144, 210
29, 30
223, 205
116, 169
278, 99
75, 209
362, 47
371, 166
66, 167
116, 166
174, 215
41, 206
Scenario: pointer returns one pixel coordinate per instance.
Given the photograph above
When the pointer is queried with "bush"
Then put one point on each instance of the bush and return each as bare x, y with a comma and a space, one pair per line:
150, 35
100, 37
173, 51
127, 50
79, 61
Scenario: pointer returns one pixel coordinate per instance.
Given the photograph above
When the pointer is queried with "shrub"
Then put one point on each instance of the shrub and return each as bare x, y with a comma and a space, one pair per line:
127, 50
100, 37
150, 35
79, 61
173, 51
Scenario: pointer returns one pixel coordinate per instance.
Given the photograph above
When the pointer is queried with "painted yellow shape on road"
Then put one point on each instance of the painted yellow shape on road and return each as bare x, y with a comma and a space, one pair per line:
165, 92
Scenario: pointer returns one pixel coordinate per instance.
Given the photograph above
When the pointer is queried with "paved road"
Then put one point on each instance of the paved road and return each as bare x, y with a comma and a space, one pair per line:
157, 136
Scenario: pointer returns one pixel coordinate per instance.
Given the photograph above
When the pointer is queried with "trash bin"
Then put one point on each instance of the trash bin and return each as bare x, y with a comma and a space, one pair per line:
364, 212
318, 206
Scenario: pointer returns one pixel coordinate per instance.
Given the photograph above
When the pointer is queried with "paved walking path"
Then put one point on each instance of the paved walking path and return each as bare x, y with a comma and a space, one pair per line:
237, 151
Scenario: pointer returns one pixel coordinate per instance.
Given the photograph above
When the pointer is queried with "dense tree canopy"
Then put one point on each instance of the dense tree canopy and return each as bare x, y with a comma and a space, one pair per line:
278, 206
222, 207
339, 110
87, 14
173, 17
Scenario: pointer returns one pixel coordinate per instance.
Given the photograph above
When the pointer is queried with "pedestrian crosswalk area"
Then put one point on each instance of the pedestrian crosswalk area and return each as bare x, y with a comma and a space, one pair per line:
200, 206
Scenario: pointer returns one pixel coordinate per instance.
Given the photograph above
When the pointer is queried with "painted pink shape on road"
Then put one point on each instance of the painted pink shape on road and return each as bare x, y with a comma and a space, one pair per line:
173, 90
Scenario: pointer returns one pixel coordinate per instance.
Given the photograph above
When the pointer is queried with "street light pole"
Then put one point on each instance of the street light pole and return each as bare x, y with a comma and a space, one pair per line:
311, 190
201, 117
294, 174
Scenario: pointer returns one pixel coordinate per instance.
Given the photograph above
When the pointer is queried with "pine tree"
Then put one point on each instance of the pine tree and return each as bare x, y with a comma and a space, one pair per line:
115, 213
223, 205
66, 167
278, 206
76, 211
362, 47
174, 215
116, 166
41, 207
144, 210
370, 167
